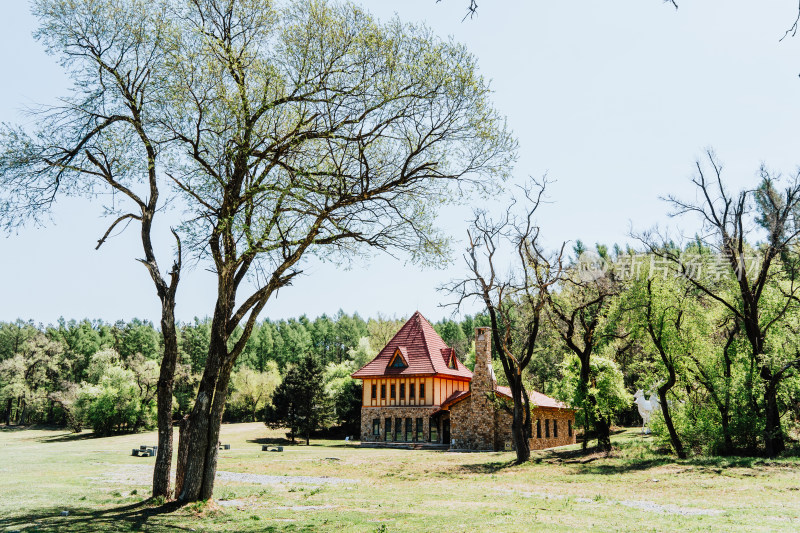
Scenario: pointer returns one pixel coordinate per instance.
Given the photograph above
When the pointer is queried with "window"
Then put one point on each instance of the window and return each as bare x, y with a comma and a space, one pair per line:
452, 362
538, 429
569, 427
376, 427
411, 392
393, 392
402, 391
420, 431
421, 391
397, 361
374, 391
555, 428
408, 430
547, 429
398, 429
388, 428
434, 430
383, 392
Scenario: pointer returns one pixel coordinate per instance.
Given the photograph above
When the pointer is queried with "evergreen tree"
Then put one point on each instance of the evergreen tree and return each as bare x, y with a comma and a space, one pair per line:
299, 402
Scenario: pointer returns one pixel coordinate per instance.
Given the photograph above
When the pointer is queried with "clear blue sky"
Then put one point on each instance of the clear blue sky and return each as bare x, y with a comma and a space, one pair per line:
614, 100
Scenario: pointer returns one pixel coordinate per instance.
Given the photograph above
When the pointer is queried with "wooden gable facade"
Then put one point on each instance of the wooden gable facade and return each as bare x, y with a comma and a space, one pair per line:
416, 368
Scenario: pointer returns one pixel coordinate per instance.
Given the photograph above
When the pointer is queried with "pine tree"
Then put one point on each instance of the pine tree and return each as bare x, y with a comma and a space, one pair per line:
299, 402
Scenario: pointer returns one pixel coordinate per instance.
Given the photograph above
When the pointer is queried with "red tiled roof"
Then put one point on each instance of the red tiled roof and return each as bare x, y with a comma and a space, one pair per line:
537, 398
424, 350
456, 397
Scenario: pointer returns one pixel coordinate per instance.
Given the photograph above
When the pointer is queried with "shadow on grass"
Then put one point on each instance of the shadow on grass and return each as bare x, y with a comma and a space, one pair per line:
624, 459
130, 517
487, 468
276, 441
69, 437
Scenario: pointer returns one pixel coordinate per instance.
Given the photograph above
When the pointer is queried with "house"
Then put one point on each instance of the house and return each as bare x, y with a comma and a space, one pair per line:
416, 390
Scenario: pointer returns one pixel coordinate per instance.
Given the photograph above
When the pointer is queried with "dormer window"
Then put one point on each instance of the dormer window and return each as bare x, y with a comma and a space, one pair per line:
452, 363
398, 361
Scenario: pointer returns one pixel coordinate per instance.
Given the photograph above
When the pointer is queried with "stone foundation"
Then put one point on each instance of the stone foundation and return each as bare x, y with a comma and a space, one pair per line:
369, 414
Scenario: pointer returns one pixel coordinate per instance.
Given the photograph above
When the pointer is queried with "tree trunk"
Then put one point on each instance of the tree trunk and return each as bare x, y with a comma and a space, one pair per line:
183, 452
521, 443
8, 411
773, 434
662, 396
23, 413
202, 434
166, 382
603, 427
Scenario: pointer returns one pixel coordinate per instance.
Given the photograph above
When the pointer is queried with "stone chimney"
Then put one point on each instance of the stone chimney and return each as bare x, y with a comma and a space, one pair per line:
483, 379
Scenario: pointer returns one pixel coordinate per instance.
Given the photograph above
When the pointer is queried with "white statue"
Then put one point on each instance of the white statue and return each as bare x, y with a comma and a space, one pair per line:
646, 408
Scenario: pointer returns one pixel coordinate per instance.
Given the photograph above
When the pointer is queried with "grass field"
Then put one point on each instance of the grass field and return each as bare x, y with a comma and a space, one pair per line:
45, 472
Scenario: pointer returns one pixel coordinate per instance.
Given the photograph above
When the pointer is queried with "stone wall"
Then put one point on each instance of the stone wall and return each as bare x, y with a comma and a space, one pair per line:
546, 416
368, 414
481, 424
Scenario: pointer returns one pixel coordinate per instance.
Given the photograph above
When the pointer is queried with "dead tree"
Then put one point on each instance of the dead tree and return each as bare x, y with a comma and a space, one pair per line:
515, 303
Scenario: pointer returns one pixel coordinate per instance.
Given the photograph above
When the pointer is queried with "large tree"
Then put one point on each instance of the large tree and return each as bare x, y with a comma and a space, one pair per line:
104, 140
287, 132
310, 130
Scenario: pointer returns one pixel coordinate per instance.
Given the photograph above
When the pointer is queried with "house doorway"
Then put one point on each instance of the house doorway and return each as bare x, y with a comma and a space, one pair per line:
446, 431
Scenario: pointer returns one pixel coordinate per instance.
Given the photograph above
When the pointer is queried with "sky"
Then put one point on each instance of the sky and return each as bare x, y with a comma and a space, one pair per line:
614, 101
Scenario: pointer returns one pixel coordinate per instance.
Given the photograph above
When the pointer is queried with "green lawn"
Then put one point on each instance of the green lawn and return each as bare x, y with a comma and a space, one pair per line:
44, 472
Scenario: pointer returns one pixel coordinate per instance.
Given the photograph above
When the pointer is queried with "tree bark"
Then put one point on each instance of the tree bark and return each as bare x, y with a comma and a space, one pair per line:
773, 434
662, 396
603, 427
166, 381
202, 434
183, 451
521, 442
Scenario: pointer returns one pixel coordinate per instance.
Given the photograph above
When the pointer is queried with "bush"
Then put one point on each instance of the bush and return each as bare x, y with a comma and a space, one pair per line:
123, 399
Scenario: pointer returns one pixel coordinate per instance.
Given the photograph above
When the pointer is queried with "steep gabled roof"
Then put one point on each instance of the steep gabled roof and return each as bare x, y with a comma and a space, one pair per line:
423, 349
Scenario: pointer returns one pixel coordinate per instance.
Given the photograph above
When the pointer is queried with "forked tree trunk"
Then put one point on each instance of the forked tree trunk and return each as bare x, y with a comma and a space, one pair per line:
202, 434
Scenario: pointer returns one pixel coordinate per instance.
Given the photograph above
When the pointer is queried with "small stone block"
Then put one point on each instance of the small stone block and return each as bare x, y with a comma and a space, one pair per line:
64, 513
